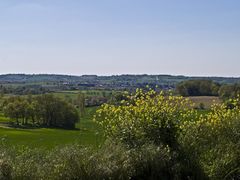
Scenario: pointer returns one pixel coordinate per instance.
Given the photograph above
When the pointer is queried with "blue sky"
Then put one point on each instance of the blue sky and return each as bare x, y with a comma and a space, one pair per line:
120, 37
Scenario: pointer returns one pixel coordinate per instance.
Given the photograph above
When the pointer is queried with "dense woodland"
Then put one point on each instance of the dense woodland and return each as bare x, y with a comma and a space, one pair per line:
208, 88
43, 110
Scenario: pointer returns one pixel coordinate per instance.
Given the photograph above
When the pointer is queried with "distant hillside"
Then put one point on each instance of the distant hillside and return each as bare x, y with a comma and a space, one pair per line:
116, 81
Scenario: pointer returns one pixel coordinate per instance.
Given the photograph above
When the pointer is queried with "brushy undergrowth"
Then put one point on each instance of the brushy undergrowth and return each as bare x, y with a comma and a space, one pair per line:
111, 161
149, 136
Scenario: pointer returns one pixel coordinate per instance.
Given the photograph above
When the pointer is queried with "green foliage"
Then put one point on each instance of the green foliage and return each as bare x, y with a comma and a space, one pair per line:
150, 136
44, 110
80, 101
111, 161
213, 140
23, 89
198, 88
117, 97
199, 144
87, 133
229, 91
145, 117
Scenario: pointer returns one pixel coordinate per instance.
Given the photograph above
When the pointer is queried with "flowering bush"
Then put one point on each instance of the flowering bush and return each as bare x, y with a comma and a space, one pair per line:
214, 139
146, 116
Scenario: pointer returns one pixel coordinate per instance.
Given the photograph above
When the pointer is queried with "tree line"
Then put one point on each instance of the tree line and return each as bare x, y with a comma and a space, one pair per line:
43, 110
198, 88
207, 88
23, 89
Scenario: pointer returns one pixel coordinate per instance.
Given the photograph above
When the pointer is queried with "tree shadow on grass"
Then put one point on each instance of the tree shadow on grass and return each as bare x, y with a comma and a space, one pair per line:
32, 126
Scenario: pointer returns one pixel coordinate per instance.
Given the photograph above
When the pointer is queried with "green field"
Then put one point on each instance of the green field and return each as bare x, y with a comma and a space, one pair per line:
89, 134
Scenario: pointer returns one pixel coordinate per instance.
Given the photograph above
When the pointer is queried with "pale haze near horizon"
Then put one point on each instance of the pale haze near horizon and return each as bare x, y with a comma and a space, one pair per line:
198, 38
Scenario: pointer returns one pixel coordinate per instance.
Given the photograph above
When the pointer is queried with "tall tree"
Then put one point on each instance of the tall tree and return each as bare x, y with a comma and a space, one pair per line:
81, 103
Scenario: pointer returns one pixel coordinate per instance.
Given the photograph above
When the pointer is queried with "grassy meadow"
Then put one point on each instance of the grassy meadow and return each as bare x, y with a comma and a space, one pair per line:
87, 133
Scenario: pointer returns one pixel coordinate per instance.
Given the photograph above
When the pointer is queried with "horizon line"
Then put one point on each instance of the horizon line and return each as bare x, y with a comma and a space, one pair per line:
124, 74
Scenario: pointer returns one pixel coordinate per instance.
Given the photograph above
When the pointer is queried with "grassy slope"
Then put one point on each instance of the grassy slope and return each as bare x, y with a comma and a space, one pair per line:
48, 138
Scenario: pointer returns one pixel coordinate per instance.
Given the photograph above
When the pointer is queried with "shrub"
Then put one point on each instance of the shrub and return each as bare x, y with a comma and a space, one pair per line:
213, 140
145, 117
112, 161
150, 117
